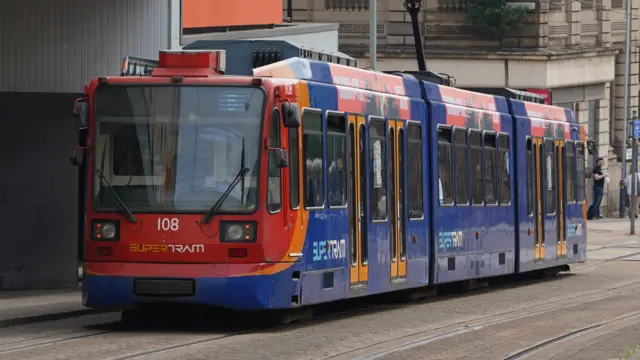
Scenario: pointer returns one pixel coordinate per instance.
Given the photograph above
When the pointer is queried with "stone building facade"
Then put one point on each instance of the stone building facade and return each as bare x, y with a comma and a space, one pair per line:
573, 48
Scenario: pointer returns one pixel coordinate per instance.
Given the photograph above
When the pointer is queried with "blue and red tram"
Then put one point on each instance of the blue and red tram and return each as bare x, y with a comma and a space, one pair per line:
311, 182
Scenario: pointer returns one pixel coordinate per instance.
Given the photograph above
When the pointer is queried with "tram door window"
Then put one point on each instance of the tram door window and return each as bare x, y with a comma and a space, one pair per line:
461, 166
397, 201
294, 166
274, 173
580, 175
336, 153
550, 176
538, 189
490, 173
357, 204
378, 169
445, 166
530, 177
561, 243
504, 170
475, 167
570, 165
312, 156
414, 162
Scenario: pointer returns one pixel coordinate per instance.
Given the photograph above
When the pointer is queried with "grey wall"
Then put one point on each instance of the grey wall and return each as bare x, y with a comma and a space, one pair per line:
58, 45
48, 50
38, 191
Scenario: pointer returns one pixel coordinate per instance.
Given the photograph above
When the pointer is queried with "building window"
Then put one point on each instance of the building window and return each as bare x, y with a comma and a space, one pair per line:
490, 169
274, 190
414, 166
445, 166
461, 164
475, 167
504, 170
336, 157
312, 157
378, 170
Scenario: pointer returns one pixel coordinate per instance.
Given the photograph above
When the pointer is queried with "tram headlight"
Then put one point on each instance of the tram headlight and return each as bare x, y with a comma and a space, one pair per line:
105, 230
233, 231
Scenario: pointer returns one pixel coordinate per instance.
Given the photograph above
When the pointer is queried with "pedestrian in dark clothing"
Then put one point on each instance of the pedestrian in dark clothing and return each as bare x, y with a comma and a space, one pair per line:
598, 190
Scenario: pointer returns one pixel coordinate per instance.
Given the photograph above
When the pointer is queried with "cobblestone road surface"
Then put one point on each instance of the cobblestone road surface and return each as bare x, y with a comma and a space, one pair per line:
598, 299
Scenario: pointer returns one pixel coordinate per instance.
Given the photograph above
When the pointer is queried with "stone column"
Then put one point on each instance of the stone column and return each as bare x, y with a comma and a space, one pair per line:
573, 18
399, 30
604, 35
543, 23
619, 80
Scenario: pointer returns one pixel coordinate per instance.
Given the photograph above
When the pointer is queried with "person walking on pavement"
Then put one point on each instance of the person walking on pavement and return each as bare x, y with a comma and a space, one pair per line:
598, 190
630, 195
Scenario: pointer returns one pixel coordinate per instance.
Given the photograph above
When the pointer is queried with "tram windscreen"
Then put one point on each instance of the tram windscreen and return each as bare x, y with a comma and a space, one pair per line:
177, 148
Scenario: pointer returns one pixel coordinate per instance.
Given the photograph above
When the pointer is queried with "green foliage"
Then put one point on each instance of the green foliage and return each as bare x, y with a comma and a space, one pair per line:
494, 17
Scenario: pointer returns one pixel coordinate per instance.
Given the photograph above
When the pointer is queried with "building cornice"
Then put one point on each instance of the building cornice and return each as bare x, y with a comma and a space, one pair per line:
497, 54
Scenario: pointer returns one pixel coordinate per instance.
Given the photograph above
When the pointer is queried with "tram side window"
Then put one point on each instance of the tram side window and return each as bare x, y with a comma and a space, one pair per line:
580, 172
445, 166
414, 181
274, 189
294, 174
461, 162
530, 175
378, 169
312, 156
491, 197
504, 179
550, 175
336, 158
571, 171
475, 167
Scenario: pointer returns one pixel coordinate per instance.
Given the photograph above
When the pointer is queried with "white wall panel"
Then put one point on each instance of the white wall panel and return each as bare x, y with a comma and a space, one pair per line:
59, 45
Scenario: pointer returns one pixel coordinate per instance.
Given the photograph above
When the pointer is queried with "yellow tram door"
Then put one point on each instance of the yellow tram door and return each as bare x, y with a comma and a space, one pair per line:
397, 229
561, 241
358, 248
538, 154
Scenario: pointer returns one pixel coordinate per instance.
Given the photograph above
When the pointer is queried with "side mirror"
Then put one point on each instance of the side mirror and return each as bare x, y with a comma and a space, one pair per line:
591, 147
77, 159
280, 157
81, 113
290, 115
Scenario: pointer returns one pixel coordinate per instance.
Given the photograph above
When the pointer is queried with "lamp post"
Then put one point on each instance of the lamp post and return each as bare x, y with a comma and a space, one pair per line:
413, 8
373, 33
625, 117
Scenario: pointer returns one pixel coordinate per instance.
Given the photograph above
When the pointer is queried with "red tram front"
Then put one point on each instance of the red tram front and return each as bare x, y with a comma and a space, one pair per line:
187, 170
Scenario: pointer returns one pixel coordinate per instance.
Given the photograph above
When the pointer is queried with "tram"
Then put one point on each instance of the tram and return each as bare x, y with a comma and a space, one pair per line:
311, 182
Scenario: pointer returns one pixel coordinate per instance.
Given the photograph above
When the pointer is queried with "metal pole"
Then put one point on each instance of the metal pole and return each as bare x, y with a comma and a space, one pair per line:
373, 33
633, 209
627, 55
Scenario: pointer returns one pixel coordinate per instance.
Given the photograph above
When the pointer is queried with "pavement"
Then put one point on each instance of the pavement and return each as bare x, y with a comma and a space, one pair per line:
19, 307
609, 239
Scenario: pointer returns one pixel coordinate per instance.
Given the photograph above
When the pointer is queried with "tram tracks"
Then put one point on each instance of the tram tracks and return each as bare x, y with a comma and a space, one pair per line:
132, 349
556, 340
433, 335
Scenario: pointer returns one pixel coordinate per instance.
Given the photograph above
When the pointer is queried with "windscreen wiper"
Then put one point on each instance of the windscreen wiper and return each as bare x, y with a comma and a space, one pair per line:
120, 204
212, 212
